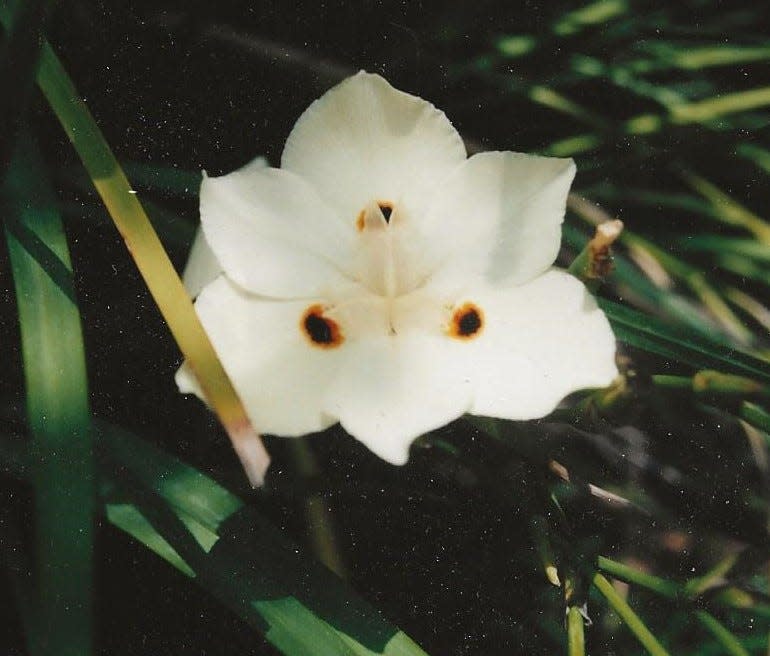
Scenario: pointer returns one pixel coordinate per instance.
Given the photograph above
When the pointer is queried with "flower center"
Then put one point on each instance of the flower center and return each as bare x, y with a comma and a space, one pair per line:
391, 297
386, 257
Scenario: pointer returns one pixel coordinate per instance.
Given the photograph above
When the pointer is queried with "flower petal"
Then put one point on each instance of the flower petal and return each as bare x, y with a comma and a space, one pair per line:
364, 140
272, 233
391, 390
202, 265
281, 379
540, 342
499, 214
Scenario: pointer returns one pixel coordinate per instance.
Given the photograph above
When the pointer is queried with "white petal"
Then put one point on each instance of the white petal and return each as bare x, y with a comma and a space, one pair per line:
272, 233
541, 341
280, 378
364, 140
500, 215
202, 266
391, 390
187, 382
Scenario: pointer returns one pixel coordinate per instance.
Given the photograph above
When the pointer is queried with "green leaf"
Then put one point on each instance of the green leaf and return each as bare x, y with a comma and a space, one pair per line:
231, 551
651, 334
723, 635
150, 257
629, 617
57, 408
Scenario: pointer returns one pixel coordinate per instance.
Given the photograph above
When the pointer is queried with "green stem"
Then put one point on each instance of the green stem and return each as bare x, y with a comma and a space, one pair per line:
539, 529
320, 522
723, 635
629, 617
575, 632
728, 209
656, 584
713, 382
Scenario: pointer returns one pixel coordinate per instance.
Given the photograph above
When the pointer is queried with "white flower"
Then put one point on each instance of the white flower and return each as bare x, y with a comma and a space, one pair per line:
382, 279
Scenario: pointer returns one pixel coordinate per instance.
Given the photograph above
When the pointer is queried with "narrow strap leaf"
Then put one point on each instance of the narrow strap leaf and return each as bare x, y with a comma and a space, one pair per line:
150, 257
57, 409
653, 335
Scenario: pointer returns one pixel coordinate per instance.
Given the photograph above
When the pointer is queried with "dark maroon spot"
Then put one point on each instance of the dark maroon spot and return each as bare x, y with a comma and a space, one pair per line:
469, 323
322, 331
386, 210
319, 329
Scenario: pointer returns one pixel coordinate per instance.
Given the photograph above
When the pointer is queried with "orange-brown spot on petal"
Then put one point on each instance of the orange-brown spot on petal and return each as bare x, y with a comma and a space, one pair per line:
386, 207
467, 321
322, 331
361, 221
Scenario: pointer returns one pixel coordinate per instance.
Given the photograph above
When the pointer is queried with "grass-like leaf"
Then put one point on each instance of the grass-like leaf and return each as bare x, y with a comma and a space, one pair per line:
210, 534
629, 617
57, 409
653, 335
151, 259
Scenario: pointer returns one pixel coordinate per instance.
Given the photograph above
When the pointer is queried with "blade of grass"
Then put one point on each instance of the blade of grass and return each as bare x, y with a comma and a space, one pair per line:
594, 13
232, 552
57, 408
710, 109
629, 617
755, 415
697, 58
722, 634
244, 562
728, 209
151, 259
691, 276
703, 112
661, 586
714, 383
750, 305
746, 248
636, 287
653, 335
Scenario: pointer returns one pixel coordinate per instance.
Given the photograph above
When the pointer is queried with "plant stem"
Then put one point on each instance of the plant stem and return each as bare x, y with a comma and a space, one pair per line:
575, 632
729, 210
714, 382
629, 617
320, 521
723, 635
539, 529
661, 586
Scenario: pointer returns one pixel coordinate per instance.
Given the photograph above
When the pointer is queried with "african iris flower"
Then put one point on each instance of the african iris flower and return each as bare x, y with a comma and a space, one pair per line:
384, 280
